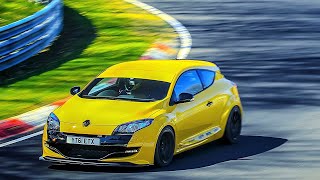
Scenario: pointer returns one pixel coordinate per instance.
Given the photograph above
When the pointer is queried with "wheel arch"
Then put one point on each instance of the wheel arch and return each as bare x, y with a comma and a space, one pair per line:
157, 143
173, 130
226, 113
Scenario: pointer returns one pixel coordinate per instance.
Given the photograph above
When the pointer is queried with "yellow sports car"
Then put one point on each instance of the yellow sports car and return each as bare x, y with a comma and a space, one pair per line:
143, 113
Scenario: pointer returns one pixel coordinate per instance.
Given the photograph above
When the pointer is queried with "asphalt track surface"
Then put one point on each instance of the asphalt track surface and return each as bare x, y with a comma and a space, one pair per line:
271, 49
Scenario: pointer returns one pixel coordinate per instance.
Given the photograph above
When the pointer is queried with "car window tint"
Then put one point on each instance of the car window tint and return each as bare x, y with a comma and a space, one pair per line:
134, 89
207, 77
104, 83
188, 82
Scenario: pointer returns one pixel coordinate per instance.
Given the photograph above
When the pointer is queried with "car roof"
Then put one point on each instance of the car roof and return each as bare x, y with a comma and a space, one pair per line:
162, 70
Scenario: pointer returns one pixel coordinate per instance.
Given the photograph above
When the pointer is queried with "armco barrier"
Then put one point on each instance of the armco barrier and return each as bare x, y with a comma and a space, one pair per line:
24, 38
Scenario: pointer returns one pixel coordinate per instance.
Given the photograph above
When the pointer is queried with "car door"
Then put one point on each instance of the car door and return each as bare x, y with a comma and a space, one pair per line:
190, 117
213, 98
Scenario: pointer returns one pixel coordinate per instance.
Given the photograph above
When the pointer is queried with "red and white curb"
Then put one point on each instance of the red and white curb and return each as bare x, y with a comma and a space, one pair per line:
159, 50
27, 121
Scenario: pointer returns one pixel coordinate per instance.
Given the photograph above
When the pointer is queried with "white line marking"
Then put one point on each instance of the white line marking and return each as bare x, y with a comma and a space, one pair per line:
184, 35
21, 139
37, 116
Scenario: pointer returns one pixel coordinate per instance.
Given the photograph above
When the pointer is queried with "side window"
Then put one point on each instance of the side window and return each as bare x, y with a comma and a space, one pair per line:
207, 77
188, 82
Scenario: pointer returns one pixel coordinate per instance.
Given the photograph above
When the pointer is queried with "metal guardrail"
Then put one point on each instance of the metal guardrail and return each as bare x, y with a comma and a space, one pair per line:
22, 39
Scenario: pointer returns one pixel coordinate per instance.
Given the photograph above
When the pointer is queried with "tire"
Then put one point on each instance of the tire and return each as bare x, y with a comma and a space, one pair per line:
165, 148
233, 127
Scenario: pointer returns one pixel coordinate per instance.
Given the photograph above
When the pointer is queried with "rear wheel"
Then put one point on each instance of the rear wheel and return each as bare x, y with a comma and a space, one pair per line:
164, 148
233, 126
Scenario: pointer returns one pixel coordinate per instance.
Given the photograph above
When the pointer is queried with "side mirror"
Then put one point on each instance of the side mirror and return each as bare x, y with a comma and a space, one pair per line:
74, 90
185, 97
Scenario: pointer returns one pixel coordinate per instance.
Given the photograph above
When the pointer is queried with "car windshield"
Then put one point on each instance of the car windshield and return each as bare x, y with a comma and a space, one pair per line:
133, 89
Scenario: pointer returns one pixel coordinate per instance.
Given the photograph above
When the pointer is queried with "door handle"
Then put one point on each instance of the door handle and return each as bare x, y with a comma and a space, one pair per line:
209, 103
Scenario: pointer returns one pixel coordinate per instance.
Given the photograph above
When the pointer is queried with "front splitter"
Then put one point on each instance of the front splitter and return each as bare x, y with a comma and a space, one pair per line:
90, 163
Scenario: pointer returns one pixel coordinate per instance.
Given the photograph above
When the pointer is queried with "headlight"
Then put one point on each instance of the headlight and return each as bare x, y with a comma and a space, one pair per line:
131, 127
53, 124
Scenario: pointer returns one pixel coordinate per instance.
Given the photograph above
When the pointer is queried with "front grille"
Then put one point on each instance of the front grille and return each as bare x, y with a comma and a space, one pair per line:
91, 152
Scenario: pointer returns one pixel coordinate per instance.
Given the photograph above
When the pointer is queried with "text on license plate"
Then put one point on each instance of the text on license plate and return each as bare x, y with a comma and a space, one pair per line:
83, 140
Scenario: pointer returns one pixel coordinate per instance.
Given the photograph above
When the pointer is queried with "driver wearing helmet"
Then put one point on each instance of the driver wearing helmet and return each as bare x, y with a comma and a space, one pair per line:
130, 86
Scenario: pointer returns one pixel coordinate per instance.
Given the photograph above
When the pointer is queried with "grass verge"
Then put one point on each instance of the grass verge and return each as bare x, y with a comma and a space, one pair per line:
14, 10
96, 35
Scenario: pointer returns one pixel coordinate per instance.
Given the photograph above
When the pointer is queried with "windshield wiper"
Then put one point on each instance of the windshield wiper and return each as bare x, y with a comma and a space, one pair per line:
99, 97
135, 99
120, 98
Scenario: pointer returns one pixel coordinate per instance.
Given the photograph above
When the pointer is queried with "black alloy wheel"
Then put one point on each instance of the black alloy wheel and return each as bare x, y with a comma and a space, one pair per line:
164, 148
233, 126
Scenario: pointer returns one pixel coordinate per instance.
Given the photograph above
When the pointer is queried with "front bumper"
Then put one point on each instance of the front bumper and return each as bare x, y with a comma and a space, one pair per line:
111, 147
113, 151
90, 163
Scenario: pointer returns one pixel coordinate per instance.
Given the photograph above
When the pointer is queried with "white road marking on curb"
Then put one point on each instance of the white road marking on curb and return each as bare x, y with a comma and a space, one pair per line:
38, 116
184, 35
21, 139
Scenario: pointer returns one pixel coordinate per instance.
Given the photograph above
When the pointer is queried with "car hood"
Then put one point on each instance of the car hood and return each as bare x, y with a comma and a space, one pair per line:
104, 114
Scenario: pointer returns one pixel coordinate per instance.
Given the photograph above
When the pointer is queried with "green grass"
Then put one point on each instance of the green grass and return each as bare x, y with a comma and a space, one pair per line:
96, 35
14, 10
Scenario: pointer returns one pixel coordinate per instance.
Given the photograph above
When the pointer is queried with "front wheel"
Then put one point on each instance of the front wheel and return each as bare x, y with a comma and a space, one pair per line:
233, 126
164, 148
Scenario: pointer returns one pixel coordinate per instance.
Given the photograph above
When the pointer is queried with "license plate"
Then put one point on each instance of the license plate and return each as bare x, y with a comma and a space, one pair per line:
83, 140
